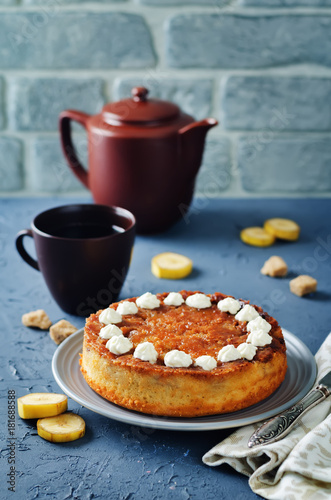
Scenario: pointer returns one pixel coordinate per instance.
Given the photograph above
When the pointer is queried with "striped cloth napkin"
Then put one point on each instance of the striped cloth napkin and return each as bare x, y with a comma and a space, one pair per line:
296, 467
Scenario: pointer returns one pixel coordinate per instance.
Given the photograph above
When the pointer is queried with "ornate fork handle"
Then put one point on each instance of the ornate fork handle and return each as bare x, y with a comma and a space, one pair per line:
279, 426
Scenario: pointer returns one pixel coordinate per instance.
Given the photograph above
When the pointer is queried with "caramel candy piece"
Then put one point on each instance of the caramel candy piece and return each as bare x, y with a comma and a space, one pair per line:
37, 319
61, 330
275, 266
302, 285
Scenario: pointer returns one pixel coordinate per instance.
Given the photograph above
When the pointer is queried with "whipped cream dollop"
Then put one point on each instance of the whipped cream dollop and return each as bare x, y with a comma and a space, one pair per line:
258, 324
247, 313
228, 353
174, 299
259, 338
109, 315
119, 345
148, 301
177, 359
229, 305
127, 307
199, 301
247, 351
109, 331
206, 362
146, 352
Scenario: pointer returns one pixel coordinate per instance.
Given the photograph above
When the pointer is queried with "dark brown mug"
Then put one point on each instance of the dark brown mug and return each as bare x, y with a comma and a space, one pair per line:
83, 252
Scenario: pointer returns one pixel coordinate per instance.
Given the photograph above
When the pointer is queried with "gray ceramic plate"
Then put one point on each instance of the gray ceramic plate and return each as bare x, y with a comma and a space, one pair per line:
299, 379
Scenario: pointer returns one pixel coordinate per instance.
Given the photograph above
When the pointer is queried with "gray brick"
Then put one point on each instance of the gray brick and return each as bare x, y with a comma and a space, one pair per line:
49, 39
2, 104
35, 104
237, 41
214, 176
56, 3
276, 103
11, 172
49, 169
193, 96
286, 3
162, 3
271, 163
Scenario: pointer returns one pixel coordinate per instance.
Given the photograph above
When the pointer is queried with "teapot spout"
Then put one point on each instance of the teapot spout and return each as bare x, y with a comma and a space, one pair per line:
192, 141
199, 128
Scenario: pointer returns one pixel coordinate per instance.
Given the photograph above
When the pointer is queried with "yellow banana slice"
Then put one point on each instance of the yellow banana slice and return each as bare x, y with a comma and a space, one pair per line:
171, 266
257, 237
41, 404
285, 229
62, 428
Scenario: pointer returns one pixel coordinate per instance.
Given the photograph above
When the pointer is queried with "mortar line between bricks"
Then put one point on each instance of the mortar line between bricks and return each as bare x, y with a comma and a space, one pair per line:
235, 177
32, 134
156, 27
225, 194
215, 98
90, 74
135, 8
3, 104
290, 134
27, 165
108, 90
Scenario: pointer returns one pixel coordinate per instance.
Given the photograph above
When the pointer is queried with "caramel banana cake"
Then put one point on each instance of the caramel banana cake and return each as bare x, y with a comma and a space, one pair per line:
183, 354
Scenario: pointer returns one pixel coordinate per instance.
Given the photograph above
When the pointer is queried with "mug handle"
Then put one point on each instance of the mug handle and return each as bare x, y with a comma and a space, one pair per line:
21, 250
66, 141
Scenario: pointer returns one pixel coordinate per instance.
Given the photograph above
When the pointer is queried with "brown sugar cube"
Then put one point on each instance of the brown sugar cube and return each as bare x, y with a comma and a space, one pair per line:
61, 330
302, 285
275, 266
37, 319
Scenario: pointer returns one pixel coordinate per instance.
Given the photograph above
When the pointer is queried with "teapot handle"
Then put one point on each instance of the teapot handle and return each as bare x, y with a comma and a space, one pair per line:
67, 144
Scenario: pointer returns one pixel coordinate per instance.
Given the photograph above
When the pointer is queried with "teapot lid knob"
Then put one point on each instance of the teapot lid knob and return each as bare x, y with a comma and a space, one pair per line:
139, 94
140, 110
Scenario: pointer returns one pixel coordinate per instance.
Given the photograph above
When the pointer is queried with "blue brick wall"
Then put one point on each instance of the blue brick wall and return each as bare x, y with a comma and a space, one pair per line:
247, 41
263, 69
80, 40
277, 103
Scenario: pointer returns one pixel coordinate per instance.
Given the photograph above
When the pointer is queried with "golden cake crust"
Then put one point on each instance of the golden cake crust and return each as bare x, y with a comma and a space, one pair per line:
183, 392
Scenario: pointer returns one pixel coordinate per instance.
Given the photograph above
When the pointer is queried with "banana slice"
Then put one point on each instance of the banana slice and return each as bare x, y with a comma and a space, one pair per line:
284, 229
171, 266
257, 237
61, 428
41, 404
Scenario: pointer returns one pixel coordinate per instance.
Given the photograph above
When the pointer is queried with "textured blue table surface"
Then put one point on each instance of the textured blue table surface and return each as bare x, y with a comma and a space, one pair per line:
115, 460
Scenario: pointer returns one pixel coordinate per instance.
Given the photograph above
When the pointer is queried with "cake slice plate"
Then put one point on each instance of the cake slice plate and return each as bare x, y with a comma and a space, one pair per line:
300, 377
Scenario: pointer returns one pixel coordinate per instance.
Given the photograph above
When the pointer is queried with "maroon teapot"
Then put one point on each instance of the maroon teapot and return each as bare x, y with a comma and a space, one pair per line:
144, 155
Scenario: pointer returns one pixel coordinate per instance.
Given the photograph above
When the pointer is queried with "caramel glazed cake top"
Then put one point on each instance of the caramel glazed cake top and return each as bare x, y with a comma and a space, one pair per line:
184, 331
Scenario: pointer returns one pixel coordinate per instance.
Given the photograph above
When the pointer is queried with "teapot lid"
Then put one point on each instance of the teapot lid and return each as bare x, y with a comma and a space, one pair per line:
139, 109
